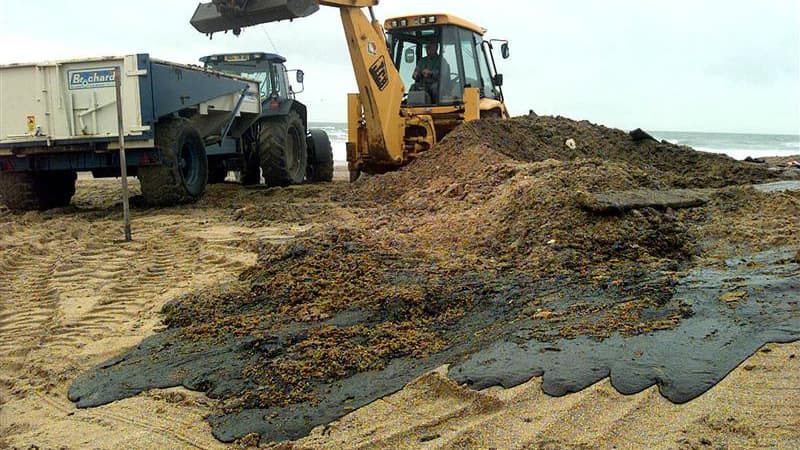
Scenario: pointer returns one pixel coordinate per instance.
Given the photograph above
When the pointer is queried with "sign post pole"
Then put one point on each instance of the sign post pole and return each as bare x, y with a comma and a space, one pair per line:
123, 165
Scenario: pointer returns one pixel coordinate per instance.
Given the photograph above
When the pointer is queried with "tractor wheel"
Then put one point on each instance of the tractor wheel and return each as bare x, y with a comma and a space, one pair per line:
26, 191
184, 175
321, 167
217, 172
251, 171
282, 150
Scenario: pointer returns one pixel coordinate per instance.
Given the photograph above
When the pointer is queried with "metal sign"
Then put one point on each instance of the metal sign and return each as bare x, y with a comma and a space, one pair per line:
91, 78
236, 58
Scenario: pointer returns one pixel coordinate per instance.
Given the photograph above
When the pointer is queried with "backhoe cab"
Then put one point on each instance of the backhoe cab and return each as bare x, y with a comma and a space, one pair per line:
418, 76
463, 59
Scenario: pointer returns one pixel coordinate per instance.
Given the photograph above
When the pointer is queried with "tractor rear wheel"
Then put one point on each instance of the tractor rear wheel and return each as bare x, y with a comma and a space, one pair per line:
282, 150
183, 176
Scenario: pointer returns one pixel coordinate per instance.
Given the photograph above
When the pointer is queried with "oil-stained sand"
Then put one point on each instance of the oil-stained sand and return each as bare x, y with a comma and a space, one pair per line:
736, 309
479, 240
684, 362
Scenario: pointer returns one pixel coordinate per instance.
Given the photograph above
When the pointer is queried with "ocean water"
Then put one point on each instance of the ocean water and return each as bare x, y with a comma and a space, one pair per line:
738, 146
735, 145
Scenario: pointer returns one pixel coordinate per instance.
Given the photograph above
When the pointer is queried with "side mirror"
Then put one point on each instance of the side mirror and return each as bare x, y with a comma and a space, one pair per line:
300, 76
498, 80
410, 55
505, 51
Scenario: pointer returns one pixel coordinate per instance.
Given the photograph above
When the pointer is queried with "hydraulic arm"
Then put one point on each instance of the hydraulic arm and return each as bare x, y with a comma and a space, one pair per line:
379, 84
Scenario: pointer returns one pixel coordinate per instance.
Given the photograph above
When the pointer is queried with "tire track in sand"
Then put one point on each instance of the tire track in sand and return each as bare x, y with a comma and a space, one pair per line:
171, 429
111, 288
28, 304
66, 283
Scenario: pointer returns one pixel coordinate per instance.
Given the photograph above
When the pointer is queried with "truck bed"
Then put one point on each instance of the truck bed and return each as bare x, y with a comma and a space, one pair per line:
70, 105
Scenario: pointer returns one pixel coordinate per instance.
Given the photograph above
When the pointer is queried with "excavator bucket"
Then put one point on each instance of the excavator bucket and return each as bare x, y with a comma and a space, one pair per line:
224, 15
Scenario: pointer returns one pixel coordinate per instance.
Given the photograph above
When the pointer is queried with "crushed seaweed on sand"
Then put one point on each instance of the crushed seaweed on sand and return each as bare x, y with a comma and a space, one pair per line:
478, 236
491, 211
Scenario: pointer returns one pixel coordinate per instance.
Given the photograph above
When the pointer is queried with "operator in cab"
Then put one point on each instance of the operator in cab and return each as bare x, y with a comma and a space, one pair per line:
428, 71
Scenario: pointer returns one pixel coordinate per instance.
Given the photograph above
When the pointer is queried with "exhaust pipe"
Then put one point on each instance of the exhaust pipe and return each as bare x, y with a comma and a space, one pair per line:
224, 15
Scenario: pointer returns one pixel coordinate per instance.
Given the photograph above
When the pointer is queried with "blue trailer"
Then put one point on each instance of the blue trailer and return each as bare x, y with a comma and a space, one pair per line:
184, 126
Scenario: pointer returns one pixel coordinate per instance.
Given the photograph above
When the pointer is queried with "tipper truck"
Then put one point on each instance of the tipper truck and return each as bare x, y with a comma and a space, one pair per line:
184, 126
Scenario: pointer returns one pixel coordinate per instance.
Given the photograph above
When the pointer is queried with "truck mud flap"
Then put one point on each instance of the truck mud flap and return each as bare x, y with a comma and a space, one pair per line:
224, 15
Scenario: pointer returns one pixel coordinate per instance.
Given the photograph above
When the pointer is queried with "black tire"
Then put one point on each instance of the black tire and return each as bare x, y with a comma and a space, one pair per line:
61, 188
282, 150
217, 172
27, 191
321, 152
184, 175
251, 172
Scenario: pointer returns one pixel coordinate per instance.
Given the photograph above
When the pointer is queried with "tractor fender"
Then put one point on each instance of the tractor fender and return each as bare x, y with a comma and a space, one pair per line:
283, 108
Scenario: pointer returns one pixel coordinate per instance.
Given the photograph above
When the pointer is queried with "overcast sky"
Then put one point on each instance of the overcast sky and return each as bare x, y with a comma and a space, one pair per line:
687, 65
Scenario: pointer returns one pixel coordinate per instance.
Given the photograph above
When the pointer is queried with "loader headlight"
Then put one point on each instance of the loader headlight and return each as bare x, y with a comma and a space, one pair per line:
403, 22
423, 20
394, 24
432, 19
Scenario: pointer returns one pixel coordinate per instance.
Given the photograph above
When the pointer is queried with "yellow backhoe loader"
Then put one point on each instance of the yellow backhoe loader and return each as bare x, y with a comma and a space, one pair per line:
419, 76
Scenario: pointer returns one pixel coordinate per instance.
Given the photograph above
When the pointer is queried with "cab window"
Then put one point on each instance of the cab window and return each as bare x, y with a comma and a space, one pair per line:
451, 85
407, 51
483, 63
407, 47
256, 71
281, 82
263, 82
472, 77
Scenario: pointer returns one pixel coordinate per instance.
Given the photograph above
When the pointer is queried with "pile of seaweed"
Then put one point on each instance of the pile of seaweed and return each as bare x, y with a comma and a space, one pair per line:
540, 138
478, 237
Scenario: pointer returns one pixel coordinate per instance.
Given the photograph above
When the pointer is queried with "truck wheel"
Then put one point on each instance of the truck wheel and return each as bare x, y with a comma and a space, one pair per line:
60, 187
184, 175
321, 168
282, 150
27, 191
